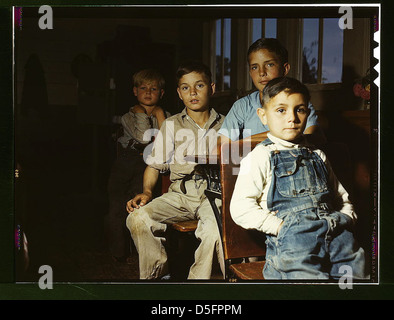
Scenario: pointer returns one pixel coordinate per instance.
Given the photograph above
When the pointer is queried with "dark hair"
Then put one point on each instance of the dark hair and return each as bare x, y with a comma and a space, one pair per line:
271, 44
193, 66
286, 84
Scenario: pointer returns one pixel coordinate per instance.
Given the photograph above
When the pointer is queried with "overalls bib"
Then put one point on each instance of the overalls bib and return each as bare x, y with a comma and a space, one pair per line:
314, 241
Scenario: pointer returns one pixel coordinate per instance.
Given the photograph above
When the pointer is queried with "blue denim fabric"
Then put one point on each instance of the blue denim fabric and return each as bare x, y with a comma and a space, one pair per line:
314, 241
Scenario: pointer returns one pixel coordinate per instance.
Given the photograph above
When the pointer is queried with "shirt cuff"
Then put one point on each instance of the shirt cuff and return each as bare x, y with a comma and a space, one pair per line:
162, 167
271, 225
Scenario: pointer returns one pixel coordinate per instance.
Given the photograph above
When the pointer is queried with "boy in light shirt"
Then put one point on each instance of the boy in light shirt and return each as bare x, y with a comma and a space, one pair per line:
185, 200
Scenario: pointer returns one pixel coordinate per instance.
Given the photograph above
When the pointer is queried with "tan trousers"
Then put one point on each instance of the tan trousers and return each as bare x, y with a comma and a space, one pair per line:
148, 224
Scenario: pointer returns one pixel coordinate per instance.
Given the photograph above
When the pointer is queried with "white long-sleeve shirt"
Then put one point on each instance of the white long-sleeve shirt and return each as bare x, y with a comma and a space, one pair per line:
248, 205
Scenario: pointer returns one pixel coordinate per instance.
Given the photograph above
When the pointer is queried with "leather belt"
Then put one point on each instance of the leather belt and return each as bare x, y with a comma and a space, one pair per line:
190, 176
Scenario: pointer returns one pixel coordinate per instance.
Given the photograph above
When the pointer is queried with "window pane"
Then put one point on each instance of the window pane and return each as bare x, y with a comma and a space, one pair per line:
332, 51
218, 54
270, 28
256, 29
227, 53
310, 50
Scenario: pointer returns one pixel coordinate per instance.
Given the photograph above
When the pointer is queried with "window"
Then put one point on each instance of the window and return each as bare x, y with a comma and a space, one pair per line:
322, 51
263, 28
222, 54
315, 50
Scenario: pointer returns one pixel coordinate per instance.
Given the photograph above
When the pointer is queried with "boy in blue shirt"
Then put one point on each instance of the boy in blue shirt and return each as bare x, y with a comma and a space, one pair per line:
267, 60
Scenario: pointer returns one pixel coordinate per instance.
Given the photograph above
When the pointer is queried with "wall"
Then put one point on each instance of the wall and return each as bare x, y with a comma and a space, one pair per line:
51, 131
356, 62
70, 37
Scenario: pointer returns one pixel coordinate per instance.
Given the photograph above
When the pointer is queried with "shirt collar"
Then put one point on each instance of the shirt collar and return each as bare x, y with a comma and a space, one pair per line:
287, 144
213, 115
256, 97
183, 113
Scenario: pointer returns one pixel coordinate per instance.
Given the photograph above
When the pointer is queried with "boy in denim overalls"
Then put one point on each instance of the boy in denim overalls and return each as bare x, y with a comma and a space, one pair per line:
287, 189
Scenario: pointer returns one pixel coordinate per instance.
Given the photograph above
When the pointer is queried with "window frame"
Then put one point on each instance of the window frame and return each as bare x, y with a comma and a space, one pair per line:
290, 35
263, 27
220, 86
319, 86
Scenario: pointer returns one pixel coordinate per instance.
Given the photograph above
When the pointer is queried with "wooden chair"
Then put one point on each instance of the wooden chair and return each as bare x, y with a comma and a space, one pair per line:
239, 244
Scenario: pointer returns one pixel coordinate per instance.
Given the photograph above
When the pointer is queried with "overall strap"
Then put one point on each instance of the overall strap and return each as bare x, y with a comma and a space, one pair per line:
266, 142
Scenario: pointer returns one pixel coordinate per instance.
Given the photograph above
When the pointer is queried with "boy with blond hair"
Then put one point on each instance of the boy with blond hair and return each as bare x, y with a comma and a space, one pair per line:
126, 175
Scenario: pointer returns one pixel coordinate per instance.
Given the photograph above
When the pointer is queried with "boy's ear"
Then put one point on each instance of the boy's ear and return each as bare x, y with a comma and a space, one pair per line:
286, 68
213, 88
161, 93
135, 91
261, 114
179, 93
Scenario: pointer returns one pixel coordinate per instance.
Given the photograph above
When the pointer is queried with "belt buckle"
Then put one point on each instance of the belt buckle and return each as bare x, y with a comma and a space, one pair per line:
196, 178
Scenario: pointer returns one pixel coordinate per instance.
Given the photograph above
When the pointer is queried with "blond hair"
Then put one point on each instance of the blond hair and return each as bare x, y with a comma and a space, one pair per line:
148, 75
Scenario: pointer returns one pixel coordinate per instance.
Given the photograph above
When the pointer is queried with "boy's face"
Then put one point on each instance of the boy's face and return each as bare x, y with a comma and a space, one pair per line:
195, 91
264, 66
286, 115
148, 94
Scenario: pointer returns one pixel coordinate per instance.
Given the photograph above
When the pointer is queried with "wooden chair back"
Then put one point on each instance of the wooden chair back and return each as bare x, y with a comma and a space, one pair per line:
237, 241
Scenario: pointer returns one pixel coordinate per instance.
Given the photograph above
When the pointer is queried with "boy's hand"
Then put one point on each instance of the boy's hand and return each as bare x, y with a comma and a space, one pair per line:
138, 109
159, 114
138, 201
157, 111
